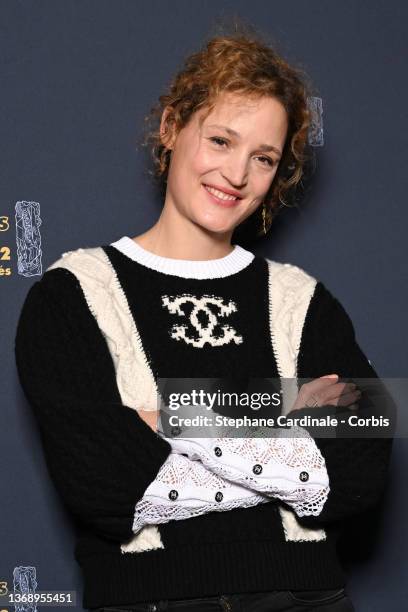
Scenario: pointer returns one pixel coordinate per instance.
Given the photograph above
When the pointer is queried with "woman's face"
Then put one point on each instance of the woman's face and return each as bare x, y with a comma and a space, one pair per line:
221, 168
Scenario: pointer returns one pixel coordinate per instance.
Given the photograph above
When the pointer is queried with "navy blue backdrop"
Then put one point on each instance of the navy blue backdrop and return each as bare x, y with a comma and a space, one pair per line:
77, 78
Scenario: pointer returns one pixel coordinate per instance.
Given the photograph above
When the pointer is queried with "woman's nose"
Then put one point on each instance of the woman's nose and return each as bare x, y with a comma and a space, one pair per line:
236, 173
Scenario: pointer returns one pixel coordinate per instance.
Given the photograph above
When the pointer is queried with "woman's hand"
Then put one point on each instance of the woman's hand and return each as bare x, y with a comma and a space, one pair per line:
149, 417
325, 390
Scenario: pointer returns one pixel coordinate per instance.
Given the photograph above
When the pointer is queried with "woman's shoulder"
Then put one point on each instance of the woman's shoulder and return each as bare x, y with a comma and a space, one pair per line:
81, 257
68, 279
87, 266
295, 290
290, 278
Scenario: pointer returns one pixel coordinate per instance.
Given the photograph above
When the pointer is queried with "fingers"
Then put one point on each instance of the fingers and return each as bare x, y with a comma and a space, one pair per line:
326, 390
347, 399
339, 394
315, 386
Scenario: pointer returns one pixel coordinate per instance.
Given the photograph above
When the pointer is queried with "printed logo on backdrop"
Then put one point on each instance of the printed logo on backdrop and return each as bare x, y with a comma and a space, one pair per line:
25, 597
28, 238
25, 584
315, 134
200, 319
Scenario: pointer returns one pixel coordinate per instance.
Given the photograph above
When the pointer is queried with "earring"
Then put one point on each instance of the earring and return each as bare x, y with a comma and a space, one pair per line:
267, 218
264, 217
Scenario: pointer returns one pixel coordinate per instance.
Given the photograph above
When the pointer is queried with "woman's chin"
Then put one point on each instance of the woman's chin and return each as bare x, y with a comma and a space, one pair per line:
219, 226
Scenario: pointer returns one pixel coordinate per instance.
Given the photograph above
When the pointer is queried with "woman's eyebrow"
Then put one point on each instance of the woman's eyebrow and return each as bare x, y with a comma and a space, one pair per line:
262, 147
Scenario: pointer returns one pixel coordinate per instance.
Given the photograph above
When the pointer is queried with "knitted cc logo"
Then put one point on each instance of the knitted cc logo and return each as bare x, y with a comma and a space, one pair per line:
202, 314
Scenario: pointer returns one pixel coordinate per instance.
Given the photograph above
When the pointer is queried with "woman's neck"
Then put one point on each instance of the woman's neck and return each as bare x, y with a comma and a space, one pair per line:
179, 238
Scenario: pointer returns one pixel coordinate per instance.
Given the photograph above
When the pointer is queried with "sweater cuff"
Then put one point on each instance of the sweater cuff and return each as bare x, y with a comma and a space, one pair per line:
291, 469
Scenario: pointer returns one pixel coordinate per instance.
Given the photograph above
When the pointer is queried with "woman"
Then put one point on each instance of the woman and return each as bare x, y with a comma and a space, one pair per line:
166, 526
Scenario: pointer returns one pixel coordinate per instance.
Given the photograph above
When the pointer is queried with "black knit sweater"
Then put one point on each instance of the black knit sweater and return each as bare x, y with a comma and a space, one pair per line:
102, 456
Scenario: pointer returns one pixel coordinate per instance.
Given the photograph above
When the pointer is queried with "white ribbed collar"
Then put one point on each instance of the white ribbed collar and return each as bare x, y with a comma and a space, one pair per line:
232, 263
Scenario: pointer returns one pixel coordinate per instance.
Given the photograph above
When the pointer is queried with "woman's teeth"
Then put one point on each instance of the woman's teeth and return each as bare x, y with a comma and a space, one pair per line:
220, 194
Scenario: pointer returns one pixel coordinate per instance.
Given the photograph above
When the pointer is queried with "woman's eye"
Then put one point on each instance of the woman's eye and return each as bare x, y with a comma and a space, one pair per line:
267, 161
218, 141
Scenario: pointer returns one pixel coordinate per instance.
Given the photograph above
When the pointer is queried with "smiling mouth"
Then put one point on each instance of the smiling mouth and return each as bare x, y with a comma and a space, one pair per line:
221, 197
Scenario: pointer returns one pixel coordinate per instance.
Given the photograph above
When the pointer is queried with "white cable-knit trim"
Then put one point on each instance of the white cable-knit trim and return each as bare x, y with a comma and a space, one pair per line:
108, 303
148, 538
290, 292
295, 532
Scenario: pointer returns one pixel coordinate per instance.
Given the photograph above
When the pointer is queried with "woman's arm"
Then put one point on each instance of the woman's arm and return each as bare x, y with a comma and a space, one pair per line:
357, 467
100, 454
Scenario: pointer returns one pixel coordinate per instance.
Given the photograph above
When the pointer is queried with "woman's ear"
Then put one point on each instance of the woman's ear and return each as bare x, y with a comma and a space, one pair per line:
167, 128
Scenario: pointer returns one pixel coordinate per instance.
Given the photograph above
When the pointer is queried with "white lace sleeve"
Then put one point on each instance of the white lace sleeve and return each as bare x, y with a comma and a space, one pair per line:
289, 468
184, 489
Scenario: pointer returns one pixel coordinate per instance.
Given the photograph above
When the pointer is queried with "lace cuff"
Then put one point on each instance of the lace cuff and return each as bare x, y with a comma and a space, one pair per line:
184, 489
289, 468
